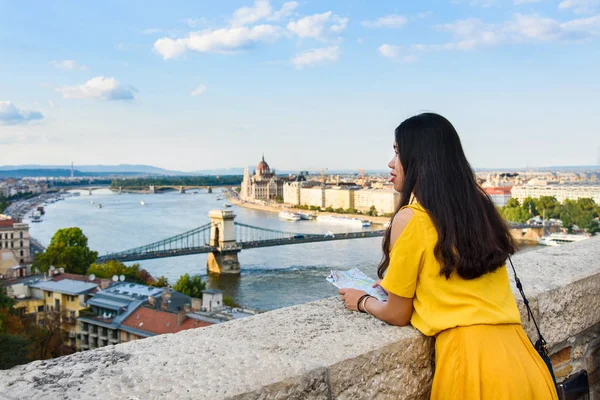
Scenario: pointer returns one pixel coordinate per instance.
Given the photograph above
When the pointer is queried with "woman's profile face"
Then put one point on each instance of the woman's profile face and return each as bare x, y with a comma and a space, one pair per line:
397, 173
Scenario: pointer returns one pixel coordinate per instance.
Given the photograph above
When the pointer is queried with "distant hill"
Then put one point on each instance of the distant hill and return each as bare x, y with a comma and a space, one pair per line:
104, 169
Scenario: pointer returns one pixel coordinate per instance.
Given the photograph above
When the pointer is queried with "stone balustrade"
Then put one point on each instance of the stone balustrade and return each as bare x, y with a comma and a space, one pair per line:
319, 350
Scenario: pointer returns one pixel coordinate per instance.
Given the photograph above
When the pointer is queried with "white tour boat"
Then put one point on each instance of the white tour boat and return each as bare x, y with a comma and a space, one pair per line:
556, 239
343, 220
289, 216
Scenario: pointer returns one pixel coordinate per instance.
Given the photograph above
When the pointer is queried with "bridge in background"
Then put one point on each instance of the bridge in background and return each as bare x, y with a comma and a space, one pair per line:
223, 239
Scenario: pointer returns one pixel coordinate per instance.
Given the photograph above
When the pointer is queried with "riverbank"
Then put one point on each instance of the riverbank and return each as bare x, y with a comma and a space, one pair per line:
276, 209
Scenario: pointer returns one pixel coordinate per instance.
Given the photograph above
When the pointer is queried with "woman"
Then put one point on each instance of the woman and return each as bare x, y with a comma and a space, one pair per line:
444, 266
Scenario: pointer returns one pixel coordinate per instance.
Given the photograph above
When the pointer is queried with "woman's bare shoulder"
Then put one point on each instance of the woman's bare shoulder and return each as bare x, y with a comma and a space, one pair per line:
399, 223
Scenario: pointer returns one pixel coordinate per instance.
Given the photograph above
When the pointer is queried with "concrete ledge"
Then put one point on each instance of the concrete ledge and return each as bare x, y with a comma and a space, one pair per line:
317, 350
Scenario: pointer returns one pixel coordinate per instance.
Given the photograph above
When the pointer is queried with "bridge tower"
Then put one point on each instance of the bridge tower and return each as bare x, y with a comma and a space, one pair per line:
222, 236
181, 189
151, 189
209, 190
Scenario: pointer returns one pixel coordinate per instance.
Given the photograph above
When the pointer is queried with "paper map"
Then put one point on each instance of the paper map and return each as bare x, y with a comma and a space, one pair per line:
356, 279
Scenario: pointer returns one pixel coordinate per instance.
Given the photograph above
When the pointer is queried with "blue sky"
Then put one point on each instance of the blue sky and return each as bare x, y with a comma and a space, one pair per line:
192, 85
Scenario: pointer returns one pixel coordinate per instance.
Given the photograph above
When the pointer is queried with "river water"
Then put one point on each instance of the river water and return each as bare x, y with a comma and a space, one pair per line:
271, 277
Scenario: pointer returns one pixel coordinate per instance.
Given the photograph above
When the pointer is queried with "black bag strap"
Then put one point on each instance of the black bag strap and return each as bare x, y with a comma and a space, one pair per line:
529, 312
540, 346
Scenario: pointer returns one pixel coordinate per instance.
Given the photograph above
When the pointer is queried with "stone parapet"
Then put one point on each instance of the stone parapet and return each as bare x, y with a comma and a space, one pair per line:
318, 350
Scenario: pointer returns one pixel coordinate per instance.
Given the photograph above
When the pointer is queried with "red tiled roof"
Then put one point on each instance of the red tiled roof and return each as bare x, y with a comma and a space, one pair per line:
159, 322
7, 222
498, 190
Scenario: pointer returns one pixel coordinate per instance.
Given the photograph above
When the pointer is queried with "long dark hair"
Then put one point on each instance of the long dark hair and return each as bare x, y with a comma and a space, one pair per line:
473, 239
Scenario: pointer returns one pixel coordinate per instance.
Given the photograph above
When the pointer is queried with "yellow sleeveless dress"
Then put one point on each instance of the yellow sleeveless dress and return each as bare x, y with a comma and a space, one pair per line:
481, 350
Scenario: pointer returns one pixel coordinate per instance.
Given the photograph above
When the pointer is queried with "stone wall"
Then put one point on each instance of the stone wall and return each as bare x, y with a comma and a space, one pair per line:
318, 350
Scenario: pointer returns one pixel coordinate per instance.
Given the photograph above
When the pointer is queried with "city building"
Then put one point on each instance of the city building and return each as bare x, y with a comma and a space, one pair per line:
561, 192
109, 308
340, 197
48, 299
499, 195
262, 185
14, 249
313, 196
384, 200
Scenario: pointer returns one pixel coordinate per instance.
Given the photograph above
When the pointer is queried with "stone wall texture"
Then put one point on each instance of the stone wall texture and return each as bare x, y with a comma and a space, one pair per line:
320, 350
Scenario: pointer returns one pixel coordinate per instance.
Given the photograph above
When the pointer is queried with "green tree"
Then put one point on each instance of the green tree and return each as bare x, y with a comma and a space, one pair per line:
279, 199
13, 350
132, 273
228, 301
529, 206
372, 211
329, 209
161, 281
190, 286
512, 203
68, 249
339, 210
549, 206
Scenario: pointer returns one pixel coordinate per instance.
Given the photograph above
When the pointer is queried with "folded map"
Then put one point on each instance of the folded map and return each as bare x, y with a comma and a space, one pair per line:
356, 279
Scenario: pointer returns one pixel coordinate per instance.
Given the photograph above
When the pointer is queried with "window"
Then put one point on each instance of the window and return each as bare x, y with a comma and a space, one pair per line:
21, 235
12, 235
72, 298
40, 309
49, 294
21, 243
21, 253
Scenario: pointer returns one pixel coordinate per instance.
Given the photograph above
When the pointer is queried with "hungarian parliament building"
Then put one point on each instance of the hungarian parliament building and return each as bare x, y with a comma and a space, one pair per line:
265, 185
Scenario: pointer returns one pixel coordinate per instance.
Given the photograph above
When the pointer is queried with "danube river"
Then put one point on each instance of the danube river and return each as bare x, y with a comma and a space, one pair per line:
271, 277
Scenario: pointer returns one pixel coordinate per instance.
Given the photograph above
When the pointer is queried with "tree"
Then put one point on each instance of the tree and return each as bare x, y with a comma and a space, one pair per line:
13, 350
132, 273
279, 199
161, 282
530, 207
549, 206
512, 203
329, 209
372, 211
68, 249
228, 301
192, 287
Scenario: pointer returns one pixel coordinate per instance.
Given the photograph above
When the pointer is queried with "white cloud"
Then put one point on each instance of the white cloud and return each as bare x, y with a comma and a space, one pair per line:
151, 31
249, 15
424, 14
225, 41
471, 34
99, 88
388, 21
68, 65
393, 51
580, 6
199, 90
317, 56
534, 27
285, 11
318, 26
11, 115
388, 50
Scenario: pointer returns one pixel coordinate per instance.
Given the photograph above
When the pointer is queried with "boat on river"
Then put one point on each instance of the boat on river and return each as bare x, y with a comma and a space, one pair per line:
289, 216
556, 239
343, 220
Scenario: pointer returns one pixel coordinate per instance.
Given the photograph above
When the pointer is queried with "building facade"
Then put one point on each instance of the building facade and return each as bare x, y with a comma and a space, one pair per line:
263, 184
499, 195
561, 192
384, 200
14, 248
337, 197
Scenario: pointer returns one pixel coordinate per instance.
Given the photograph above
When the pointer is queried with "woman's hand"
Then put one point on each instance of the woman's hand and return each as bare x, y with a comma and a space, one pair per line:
378, 283
350, 297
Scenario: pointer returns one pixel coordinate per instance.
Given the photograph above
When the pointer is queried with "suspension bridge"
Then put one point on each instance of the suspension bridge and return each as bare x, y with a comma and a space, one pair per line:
223, 239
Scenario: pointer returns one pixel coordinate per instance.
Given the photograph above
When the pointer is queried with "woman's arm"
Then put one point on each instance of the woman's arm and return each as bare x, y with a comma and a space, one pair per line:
396, 310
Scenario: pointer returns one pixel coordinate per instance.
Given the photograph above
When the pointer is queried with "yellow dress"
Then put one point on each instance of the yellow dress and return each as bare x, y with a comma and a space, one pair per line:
481, 350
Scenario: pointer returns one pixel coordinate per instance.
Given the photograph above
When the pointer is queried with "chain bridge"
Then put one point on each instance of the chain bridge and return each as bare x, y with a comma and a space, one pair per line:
223, 239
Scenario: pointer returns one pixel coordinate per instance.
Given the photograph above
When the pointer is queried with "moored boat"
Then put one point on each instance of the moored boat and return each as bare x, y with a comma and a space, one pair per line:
556, 239
343, 220
290, 216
